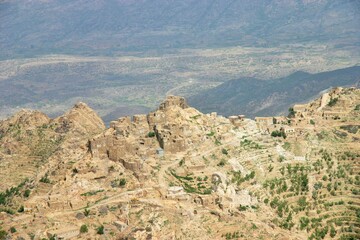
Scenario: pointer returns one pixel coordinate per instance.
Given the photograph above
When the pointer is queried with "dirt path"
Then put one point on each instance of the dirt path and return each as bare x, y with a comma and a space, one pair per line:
188, 83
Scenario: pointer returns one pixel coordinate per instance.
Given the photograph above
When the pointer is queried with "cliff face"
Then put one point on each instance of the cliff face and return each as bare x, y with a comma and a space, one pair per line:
179, 173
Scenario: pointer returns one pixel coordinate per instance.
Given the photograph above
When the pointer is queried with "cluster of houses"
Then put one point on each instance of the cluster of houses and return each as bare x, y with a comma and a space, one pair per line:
331, 106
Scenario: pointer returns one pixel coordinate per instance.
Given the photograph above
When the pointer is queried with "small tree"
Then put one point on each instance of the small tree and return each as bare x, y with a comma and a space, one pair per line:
291, 113
278, 133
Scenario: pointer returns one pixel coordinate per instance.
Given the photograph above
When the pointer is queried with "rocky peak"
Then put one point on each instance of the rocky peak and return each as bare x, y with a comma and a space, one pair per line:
82, 105
171, 101
82, 118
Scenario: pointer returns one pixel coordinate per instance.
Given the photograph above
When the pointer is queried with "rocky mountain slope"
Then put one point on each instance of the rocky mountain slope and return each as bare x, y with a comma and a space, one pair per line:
177, 173
254, 97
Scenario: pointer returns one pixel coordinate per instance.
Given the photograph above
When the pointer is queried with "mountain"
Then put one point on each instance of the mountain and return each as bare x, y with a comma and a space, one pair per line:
176, 173
103, 27
255, 97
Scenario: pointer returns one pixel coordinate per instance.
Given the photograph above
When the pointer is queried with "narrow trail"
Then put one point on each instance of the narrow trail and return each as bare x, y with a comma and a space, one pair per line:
185, 84
120, 197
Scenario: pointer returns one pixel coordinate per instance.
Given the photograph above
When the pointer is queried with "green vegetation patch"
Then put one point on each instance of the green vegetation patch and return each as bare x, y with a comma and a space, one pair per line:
351, 128
238, 178
91, 193
249, 144
333, 102
6, 197
192, 184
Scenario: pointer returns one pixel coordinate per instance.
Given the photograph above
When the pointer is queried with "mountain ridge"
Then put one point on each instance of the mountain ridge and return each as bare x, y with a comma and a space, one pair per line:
238, 96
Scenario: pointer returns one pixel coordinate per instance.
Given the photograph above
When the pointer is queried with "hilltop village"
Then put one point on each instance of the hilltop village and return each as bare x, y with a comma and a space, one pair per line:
331, 106
177, 173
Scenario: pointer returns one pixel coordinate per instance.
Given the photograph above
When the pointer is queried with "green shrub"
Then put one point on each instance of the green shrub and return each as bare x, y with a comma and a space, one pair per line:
122, 182
45, 179
221, 163
304, 222
13, 230
332, 102
27, 193
224, 151
21, 209
3, 234
242, 208
302, 203
7, 210
111, 168
86, 212
278, 133
53, 237
332, 231
210, 134
291, 113
151, 134
84, 229
100, 230
207, 191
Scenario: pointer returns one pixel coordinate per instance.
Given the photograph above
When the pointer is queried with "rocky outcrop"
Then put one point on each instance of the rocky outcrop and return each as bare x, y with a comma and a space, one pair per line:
82, 119
25, 119
171, 101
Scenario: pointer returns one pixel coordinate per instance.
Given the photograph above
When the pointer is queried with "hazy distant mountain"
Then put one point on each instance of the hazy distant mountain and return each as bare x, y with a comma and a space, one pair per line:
91, 27
254, 97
